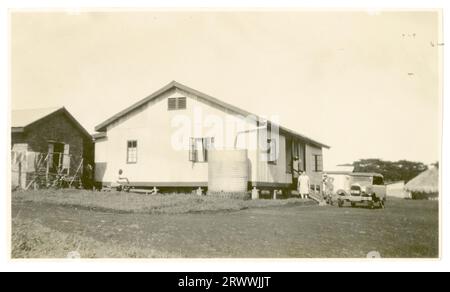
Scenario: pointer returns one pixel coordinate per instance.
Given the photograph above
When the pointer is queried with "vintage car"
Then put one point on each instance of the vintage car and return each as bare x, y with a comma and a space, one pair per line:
365, 188
337, 182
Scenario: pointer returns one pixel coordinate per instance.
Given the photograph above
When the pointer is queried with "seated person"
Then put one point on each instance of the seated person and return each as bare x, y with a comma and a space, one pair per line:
121, 181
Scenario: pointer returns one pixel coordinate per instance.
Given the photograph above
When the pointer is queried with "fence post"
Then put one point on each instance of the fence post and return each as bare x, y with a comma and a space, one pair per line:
20, 175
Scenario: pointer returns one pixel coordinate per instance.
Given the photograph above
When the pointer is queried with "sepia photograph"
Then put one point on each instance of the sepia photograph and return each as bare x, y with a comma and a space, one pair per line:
225, 133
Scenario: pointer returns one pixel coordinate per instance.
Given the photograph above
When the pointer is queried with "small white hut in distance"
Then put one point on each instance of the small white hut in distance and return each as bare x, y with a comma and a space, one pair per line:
397, 190
163, 141
342, 168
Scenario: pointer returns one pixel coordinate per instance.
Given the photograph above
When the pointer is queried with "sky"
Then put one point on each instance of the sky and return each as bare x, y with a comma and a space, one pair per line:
367, 84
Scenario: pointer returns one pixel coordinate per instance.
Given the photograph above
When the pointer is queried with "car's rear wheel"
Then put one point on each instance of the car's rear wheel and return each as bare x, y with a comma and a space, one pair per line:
353, 204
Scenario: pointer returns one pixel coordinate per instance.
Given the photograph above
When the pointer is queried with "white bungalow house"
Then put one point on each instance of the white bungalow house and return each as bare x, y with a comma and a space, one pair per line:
163, 140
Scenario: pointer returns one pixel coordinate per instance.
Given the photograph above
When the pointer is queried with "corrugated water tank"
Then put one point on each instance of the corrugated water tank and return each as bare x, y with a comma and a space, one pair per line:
227, 170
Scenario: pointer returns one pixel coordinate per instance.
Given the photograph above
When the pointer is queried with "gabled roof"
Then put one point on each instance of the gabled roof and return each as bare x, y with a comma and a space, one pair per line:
173, 85
24, 118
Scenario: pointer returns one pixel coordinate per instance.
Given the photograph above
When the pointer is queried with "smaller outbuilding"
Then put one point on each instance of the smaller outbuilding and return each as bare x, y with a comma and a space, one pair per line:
397, 190
47, 144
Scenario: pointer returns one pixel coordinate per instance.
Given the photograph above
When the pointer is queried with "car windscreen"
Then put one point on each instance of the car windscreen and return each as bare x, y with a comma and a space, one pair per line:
378, 180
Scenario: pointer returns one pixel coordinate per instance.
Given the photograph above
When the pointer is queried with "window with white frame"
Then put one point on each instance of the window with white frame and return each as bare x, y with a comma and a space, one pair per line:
132, 151
198, 149
58, 157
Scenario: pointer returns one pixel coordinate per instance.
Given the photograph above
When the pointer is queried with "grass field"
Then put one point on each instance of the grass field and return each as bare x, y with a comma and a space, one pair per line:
31, 239
123, 202
405, 229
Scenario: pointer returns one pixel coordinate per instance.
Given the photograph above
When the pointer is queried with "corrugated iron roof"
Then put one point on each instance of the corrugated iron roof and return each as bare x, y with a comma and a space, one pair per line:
102, 127
21, 119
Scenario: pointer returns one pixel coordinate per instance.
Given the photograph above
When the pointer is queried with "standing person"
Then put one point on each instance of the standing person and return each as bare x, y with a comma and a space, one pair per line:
303, 185
295, 172
328, 188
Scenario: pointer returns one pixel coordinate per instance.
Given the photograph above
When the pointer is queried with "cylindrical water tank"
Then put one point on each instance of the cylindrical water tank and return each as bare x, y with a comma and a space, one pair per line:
227, 170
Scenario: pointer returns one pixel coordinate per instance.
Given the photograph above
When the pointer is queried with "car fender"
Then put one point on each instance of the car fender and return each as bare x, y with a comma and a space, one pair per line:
342, 192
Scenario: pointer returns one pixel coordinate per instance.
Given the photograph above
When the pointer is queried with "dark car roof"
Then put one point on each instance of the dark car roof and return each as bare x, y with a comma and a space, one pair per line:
354, 173
366, 174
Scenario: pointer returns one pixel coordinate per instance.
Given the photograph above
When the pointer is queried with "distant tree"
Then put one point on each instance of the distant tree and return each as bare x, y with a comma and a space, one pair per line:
392, 171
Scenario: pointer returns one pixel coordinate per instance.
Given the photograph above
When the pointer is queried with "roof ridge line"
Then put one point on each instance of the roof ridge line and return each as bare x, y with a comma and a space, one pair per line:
175, 84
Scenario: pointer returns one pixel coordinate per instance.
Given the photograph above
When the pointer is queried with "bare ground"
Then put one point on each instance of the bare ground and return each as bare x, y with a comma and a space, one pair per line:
405, 229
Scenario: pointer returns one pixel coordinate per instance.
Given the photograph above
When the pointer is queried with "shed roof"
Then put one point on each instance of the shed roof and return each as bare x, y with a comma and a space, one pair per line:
23, 118
102, 126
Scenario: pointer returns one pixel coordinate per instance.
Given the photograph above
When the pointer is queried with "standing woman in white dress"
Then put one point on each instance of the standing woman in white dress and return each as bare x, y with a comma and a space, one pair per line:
303, 185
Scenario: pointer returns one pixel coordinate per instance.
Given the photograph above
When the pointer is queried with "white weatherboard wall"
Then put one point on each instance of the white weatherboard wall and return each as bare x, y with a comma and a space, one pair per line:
101, 158
157, 160
315, 177
274, 172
